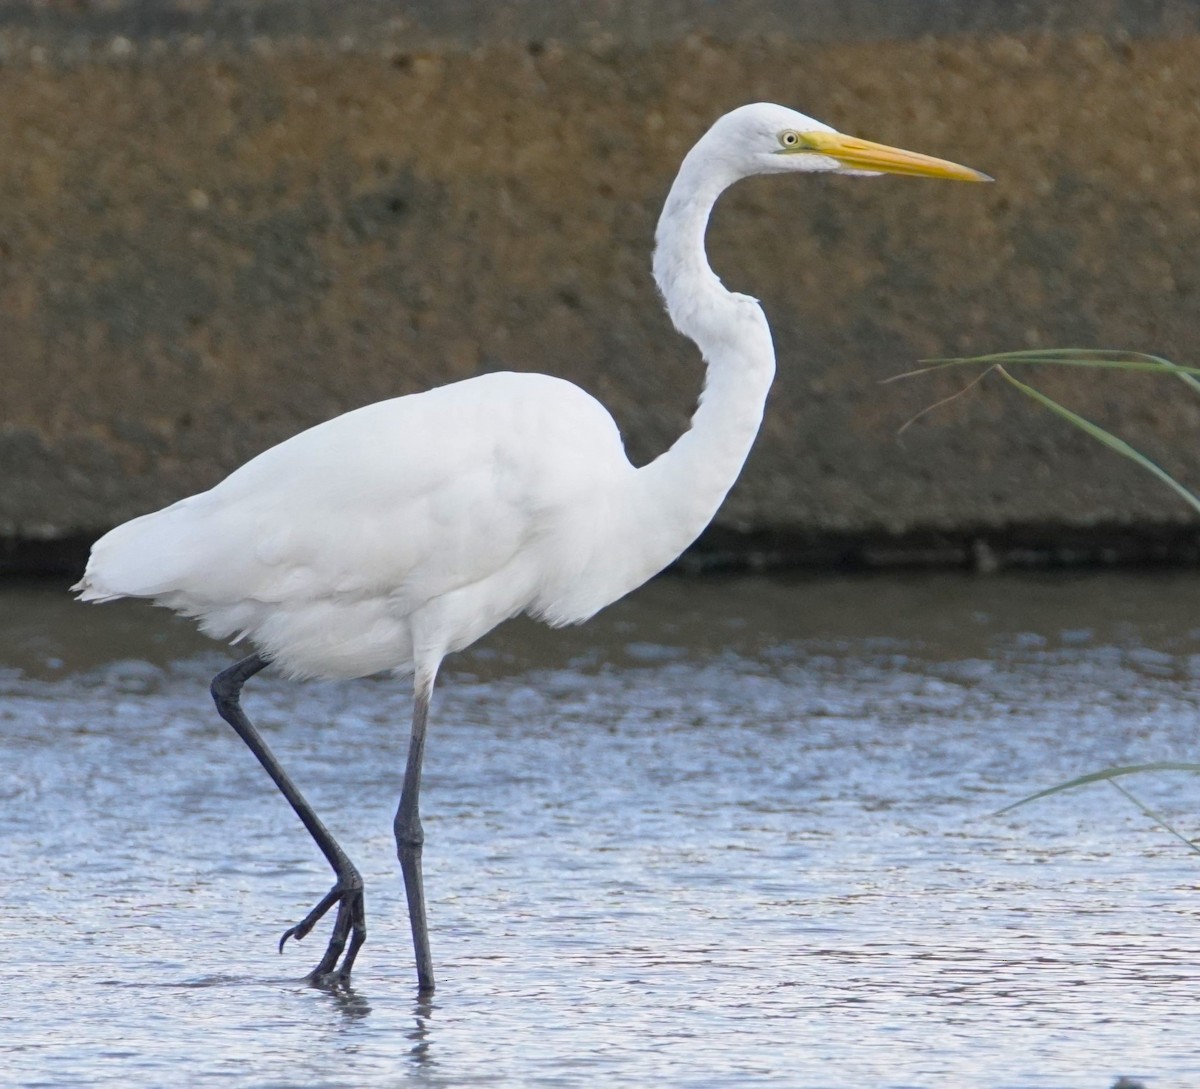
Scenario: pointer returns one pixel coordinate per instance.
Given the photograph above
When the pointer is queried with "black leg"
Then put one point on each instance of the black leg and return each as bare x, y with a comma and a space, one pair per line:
410, 837
347, 892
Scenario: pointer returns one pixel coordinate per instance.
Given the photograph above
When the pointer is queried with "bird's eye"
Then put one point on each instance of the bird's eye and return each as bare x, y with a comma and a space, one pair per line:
789, 138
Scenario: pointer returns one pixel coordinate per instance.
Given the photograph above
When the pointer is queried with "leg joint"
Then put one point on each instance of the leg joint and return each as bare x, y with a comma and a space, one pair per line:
409, 833
226, 686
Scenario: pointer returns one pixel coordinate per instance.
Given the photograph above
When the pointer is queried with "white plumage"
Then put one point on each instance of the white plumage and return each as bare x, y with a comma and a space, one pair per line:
415, 521
395, 534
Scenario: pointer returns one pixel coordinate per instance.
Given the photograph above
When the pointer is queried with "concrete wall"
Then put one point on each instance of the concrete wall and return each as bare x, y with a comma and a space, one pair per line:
220, 223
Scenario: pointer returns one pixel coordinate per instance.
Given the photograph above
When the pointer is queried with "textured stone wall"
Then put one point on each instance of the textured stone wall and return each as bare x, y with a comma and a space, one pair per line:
222, 223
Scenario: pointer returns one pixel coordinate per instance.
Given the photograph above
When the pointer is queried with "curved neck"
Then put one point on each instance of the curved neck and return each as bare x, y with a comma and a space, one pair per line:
680, 491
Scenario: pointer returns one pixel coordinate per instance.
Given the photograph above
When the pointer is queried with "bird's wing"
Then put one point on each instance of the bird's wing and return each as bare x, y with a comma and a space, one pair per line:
410, 497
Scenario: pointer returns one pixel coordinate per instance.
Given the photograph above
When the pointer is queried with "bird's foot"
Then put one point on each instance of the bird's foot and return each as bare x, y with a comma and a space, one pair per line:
350, 923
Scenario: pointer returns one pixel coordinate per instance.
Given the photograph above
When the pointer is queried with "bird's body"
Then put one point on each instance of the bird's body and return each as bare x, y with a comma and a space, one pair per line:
419, 522
398, 533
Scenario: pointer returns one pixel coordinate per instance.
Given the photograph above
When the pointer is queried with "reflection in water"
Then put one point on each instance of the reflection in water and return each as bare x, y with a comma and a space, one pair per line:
420, 1050
348, 1002
733, 832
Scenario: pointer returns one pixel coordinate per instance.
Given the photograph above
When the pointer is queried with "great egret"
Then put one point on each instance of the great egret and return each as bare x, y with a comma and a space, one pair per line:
398, 533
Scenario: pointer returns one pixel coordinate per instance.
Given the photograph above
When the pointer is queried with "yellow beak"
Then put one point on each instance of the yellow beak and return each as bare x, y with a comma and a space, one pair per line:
865, 155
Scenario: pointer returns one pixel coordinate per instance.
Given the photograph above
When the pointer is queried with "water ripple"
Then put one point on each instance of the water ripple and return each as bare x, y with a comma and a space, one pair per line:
732, 833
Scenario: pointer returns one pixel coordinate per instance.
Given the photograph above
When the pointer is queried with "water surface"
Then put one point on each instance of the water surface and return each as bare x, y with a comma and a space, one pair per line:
734, 832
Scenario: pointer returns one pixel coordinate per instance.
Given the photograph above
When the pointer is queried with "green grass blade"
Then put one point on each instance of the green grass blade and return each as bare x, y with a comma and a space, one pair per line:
1157, 818
1069, 357
1075, 357
1185, 375
1107, 438
1089, 357
1107, 775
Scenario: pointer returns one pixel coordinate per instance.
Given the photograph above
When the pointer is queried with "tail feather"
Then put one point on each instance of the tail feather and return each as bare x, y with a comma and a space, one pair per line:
89, 591
145, 557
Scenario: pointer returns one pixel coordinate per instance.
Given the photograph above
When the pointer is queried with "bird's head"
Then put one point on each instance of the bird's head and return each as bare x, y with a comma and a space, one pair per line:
763, 138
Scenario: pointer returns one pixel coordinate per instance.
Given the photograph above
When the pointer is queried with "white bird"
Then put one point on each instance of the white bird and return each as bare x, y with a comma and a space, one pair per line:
398, 533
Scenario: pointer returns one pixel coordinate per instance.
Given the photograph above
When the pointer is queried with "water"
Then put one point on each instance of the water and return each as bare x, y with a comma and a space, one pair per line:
734, 832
